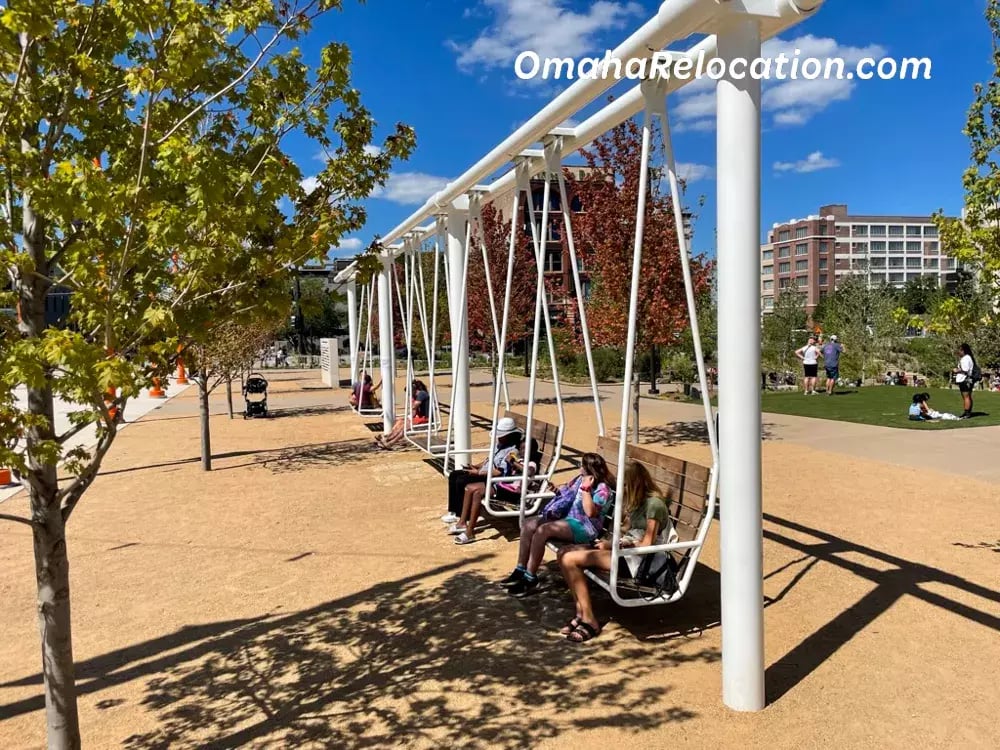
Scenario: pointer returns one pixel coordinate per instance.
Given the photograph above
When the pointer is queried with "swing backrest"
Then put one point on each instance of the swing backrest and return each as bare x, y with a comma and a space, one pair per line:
544, 433
683, 484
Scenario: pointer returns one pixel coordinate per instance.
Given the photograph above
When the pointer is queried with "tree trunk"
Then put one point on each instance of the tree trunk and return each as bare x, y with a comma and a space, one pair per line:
49, 535
206, 436
229, 394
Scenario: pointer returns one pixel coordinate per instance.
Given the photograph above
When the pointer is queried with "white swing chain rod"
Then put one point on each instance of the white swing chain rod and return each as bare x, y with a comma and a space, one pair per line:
553, 161
501, 374
640, 228
402, 321
432, 346
501, 362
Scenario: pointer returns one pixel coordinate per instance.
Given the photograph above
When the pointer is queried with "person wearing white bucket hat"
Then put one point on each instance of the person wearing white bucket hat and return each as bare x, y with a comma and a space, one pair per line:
508, 437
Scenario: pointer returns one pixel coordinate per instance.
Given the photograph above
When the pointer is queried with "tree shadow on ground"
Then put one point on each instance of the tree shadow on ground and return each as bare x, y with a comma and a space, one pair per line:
676, 433
991, 546
307, 411
451, 662
321, 455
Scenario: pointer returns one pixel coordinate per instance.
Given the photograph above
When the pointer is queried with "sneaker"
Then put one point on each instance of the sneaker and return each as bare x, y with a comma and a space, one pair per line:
464, 538
455, 529
523, 588
516, 577
449, 518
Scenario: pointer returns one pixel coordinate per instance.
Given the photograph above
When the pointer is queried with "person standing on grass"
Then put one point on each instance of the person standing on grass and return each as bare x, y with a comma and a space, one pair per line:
963, 377
831, 352
809, 354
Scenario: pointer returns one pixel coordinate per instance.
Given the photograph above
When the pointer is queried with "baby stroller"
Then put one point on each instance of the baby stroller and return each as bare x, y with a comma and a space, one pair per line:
255, 395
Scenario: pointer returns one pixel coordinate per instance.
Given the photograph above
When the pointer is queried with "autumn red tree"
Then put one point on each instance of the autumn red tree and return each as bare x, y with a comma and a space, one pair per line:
609, 194
496, 234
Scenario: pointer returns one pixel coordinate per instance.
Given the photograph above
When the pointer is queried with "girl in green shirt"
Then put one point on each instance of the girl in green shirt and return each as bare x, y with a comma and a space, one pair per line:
647, 520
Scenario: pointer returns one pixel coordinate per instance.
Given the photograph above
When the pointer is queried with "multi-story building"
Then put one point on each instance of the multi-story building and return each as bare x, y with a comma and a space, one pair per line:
815, 253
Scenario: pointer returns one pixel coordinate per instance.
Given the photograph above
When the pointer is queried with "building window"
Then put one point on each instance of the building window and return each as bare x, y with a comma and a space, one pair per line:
767, 271
801, 232
878, 262
930, 263
949, 264
913, 262
896, 230
576, 205
877, 246
860, 231
895, 262
768, 285
783, 283
767, 255
822, 294
801, 281
823, 264
784, 252
860, 247
932, 247
553, 260
930, 231
822, 228
768, 303
784, 267
802, 265
913, 231
824, 279
784, 235
824, 246
897, 278
878, 230
802, 249
896, 247
913, 247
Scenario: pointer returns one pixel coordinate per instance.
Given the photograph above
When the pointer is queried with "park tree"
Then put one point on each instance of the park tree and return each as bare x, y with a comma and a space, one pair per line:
864, 317
783, 330
974, 239
606, 229
143, 151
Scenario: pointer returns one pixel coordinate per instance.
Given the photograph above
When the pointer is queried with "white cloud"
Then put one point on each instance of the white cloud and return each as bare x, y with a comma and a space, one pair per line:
547, 27
410, 188
812, 163
372, 150
348, 246
789, 102
309, 184
690, 172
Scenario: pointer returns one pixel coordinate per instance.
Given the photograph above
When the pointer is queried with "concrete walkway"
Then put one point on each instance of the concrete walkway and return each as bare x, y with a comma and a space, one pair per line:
134, 410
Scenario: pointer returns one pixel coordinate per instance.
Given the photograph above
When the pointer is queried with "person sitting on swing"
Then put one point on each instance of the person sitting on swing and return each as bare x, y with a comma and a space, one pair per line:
576, 514
420, 401
363, 393
646, 523
508, 437
509, 492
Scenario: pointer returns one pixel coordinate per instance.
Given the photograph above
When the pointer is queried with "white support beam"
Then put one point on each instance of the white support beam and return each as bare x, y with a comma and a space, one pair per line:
460, 422
386, 347
352, 326
741, 526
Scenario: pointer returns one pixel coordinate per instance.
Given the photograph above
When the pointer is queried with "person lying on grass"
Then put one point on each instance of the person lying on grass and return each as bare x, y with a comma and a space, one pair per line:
920, 410
576, 514
646, 523
508, 492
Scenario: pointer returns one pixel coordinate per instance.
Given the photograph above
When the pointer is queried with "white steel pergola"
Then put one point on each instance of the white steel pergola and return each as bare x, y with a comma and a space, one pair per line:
736, 30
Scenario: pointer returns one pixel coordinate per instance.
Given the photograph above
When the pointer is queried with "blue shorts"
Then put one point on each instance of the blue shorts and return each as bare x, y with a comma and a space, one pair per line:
581, 534
833, 373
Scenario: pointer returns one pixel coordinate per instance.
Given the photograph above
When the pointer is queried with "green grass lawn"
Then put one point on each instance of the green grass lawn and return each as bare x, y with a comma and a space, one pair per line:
885, 406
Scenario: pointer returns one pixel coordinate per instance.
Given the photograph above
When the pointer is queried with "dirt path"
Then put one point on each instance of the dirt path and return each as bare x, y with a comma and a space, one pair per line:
304, 595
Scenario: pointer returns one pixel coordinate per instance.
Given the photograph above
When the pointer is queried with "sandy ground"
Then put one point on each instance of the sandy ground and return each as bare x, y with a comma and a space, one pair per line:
304, 594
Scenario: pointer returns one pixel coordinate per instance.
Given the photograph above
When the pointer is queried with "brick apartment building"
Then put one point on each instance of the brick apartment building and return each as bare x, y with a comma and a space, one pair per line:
816, 252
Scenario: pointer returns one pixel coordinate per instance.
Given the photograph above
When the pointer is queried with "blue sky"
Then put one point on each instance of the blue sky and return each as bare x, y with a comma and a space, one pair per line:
446, 68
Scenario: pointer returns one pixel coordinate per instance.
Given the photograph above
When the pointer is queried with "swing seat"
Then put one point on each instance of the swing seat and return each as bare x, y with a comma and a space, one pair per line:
547, 436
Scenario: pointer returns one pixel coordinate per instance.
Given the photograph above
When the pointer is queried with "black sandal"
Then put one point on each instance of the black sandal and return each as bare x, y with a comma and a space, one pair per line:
571, 626
583, 632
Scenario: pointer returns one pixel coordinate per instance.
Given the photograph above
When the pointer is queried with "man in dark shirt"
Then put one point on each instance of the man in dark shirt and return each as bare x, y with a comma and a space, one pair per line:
831, 352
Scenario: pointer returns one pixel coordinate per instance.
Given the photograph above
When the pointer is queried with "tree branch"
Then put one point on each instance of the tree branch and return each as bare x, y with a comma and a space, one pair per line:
17, 519
17, 80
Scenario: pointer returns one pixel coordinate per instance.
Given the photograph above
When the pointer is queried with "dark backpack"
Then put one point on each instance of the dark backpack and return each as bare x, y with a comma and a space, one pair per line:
976, 374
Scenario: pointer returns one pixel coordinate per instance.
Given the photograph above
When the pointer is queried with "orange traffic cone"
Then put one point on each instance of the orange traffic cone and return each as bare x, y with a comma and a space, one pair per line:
5, 477
156, 391
181, 372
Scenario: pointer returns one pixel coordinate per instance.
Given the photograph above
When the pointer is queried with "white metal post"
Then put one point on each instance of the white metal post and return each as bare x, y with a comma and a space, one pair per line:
352, 327
385, 344
741, 527
461, 430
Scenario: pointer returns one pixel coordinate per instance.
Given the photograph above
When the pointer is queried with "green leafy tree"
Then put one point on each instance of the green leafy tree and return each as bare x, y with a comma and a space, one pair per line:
975, 239
864, 317
783, 330
142, 154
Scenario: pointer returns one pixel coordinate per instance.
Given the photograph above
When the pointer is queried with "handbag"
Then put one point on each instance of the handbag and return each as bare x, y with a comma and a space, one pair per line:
659, 572
559, 506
